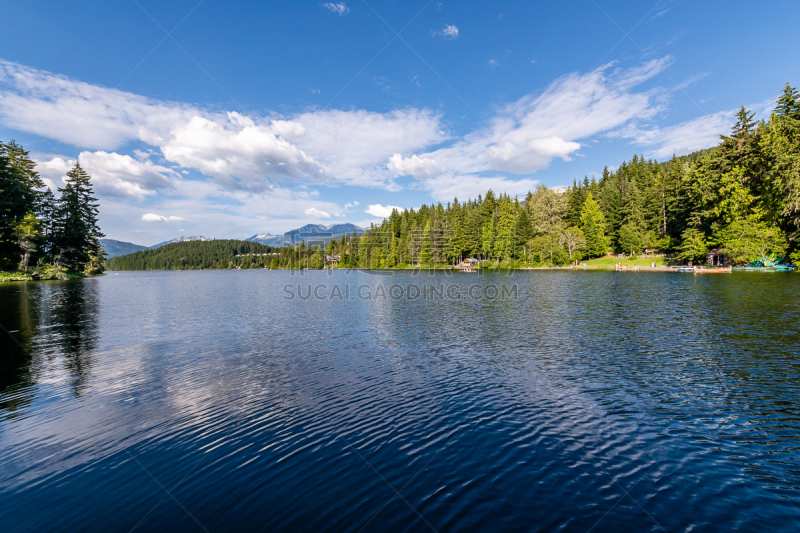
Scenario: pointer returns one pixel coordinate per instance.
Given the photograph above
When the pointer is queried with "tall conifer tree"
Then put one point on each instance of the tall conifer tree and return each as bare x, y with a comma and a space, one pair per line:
593, 226
78, 236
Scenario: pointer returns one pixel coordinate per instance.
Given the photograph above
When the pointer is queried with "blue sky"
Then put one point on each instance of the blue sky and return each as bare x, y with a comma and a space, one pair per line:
229, 119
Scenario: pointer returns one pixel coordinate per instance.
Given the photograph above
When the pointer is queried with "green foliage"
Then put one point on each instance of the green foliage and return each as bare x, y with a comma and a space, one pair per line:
77, 237
593, 225
36, 228
504, 242
25, 232
750, 239
694, 246
18, 198
574, 242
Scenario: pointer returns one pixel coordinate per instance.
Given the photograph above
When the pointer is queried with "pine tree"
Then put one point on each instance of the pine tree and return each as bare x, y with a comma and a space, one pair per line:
426, 250
487, 231
504, 242
593, 227
576, 195
18, 198
523, 230
48, 215
788, 103
77, 235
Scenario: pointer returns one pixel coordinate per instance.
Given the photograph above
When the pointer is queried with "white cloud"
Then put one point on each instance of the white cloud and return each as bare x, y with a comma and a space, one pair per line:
464, 186
493, 63
239, 148
123, 176
414, 166
684, 138
350, 204
525, 136
448, 32
340, 8
56, 167
53, 170
350, 147
112, 174
80, 114
692, 135
354, 145
316, 213
141, 155
382, 211
152, 217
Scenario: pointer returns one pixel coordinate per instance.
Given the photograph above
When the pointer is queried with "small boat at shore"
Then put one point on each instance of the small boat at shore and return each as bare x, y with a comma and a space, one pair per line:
718, 270
776, 268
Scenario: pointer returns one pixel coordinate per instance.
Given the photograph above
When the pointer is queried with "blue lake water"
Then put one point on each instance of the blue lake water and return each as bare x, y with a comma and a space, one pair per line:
536, 401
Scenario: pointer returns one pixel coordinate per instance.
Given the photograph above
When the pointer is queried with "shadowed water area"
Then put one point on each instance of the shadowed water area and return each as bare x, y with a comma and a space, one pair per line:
576, 401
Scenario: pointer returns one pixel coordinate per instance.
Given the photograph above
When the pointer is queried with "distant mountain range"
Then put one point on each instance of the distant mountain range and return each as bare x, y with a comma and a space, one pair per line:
268, 239
183, 239
116, 248
310, 233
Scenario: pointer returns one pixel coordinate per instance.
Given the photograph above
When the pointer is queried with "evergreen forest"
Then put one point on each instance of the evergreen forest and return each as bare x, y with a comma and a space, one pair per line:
43, 236
740, 198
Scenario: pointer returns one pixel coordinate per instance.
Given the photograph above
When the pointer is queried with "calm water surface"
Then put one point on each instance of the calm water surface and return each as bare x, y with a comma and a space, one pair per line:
587, 401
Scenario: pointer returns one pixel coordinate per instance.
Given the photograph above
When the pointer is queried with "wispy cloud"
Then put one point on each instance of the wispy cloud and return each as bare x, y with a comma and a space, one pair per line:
449, 31
316, 213
686, 137
340, 8
152, 217
525, 136
243, 160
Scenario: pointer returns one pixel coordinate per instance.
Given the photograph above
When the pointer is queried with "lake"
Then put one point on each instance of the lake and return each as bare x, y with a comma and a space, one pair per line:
368, 401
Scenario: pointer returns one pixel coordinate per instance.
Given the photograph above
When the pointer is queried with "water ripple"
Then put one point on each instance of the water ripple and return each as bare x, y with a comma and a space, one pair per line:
591, 401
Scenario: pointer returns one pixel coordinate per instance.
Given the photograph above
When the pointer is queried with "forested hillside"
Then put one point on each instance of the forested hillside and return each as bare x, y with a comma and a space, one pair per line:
197, 255
742, 197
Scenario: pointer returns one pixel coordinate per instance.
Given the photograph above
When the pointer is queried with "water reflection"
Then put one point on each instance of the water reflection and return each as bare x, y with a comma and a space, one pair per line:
601, 401
45, 326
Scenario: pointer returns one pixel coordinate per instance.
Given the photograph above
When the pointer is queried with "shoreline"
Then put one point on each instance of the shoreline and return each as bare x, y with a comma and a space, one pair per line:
454, 270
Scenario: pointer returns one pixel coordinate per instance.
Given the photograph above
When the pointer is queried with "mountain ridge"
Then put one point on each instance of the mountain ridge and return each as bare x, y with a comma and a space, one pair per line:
317, 233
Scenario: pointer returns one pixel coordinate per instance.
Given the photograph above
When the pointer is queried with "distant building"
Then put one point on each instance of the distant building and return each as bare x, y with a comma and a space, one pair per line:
332, 260
717, 257
468, 264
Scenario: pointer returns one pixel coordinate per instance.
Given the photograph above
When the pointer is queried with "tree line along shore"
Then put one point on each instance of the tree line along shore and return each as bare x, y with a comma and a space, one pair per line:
43, 236
740, 200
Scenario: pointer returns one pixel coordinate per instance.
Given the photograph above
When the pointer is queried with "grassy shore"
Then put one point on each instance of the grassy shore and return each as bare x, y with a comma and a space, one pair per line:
46, 272
609, 262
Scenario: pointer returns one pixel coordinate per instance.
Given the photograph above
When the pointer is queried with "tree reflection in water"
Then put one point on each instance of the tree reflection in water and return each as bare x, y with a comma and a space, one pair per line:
47, 328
